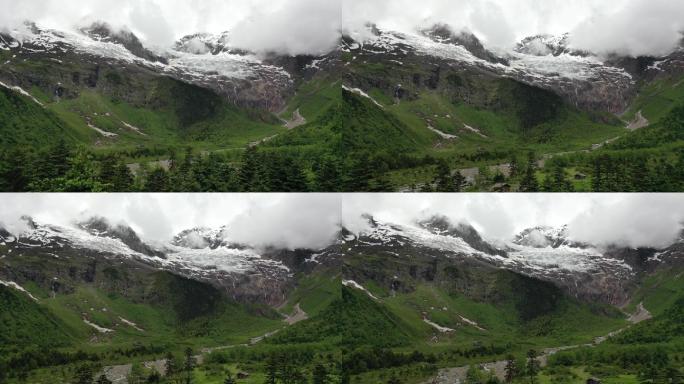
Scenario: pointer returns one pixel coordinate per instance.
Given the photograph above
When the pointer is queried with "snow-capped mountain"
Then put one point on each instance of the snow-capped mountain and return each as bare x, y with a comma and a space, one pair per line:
204, 60
200, 238
585, 271
203, 43
584, 79
383, 252
246, 270
545, 45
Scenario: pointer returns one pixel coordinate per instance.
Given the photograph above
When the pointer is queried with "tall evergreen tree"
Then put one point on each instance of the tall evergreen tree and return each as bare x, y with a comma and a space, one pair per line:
83, 374
249, 168
170, 367
320, 374
459, 181
271, 370
328, 175
511, 369
533, 366
514, 167
529, 182
188, 366
157, 181
359, 174
443, 178
229, 378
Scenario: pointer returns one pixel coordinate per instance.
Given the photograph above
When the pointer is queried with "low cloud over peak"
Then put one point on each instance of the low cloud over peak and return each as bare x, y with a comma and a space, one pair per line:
628, 27
314, 220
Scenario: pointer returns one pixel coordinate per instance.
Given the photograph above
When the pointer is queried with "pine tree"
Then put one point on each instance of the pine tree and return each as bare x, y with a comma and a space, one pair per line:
249, 168
459, 181
345, 378
443, 178
229, 378
295, 179
170, 367
511, 369
136, 376
320, 374
327, 175
533, 366
58, 155
382, 184
597, 176
271, 370
83, 374
529, 182
157, 181
359, 175
473, 375
188, 366
514, 167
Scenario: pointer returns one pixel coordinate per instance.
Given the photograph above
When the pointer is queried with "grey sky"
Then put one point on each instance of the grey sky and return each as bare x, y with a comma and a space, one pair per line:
312, 220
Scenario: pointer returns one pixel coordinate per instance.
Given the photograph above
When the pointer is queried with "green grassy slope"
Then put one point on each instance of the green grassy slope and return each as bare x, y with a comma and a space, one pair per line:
176, 114
24, 322
25, 123
353, 319
656, 99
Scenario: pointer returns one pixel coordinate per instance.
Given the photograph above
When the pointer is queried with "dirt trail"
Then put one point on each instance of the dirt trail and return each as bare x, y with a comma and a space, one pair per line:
641, 314
639, 122
457, 375
297, 316
296, 121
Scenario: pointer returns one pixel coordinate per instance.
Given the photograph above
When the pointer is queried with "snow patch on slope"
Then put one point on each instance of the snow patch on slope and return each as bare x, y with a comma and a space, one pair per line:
97, 327
102, 131
12, 284
354, 284
22, 92
437, 326
361, 93
131, 324
442, 134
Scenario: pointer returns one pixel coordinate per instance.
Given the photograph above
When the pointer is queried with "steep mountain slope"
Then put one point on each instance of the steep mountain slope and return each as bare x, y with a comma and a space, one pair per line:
110, 90
352, 319
582, 80
91, 249
25, 122
25, 322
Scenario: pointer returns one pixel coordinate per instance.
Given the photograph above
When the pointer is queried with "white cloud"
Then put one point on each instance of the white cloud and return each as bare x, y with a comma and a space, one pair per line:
313, 220
633, 220
311, 26
283, 220
288, 26
643, 220
640, 27
634, 27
